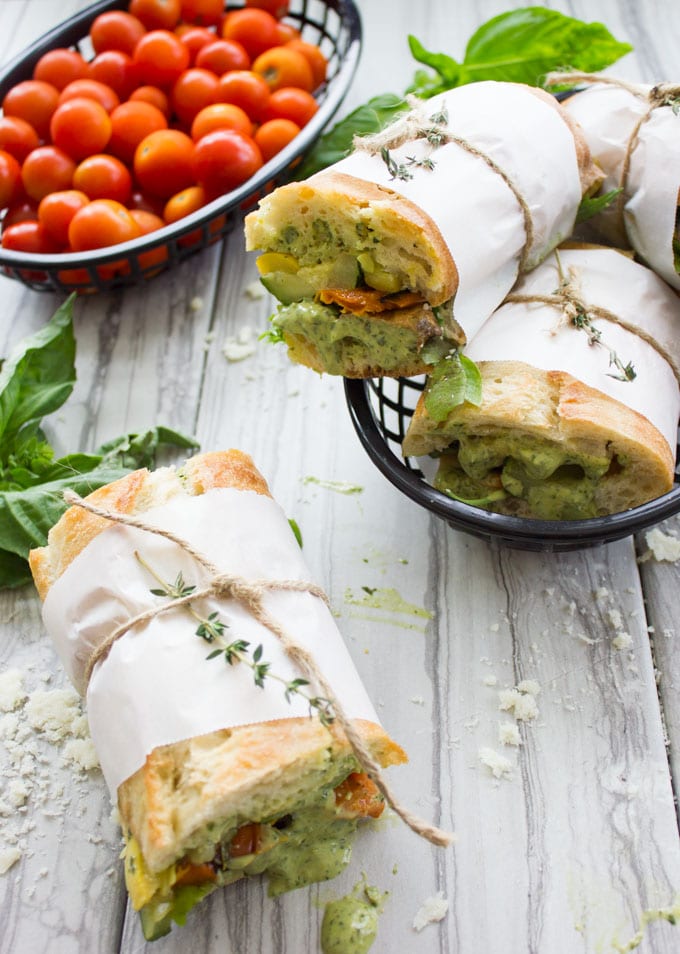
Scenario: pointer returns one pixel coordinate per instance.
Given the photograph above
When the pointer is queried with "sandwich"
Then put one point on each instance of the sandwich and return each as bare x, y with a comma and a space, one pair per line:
218, 773
389, 259
579, 400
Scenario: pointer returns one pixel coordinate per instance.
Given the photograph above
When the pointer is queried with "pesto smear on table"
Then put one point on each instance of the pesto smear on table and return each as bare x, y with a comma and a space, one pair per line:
350, 924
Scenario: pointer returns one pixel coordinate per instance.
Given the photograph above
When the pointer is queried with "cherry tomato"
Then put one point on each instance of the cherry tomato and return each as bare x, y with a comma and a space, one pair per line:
116, 30
153, 95
274, 135
183, 203
204, 12
80, 127
156, 14
24, 210
115, 69
314, 56
47, 169
195, 38
245, 89
101, 223
163, 162
131, 122
222, 55
194, 89
221, 116
283, 66
224, 160
147, 221
59, 67
257, 30
17, 137
161, 57
11, 188
56, 211
291, 103
33, 101
91, 89
277, 8
103, 177
29, 237
286, 33
150, 222
146, 202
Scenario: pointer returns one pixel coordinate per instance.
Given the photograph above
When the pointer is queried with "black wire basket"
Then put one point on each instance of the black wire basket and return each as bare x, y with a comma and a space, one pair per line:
333, 25
381, 408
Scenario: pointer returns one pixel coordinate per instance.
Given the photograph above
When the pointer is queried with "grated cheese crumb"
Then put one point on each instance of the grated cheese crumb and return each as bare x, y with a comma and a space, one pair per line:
490, 680
622, 640
508, 733
521, 704
8, 857
12, 692
431, 910
663, 546
240, 346
81, 754
499, 765
53, 711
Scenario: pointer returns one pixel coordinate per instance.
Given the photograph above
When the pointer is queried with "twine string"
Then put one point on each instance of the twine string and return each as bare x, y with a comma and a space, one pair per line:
251, 594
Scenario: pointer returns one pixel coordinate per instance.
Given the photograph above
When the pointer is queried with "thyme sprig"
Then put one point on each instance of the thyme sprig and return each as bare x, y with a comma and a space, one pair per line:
435, 135
582, 320
212, 629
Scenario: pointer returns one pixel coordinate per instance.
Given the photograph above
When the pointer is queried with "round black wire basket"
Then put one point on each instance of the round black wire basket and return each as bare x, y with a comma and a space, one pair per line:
381, 409
333, 25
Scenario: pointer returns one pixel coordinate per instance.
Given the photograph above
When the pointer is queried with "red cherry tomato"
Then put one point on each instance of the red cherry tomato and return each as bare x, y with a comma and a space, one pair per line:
245, 89
224, 160
131, 122
47, 169
29, 237
161, 57
17, 137
103, 177
60, 67
277, 8
116, 30
101, 223
91, 89
256, 30
163, 162
194, 89
195, 38
80, 127
33, 101
115, 69
291, 103
24, 210
156, 14
11, 188
222, 55
204, 12
56, 211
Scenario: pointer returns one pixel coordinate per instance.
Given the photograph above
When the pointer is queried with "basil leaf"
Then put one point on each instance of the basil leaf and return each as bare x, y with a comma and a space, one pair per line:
592, 205
454, 381
337, 143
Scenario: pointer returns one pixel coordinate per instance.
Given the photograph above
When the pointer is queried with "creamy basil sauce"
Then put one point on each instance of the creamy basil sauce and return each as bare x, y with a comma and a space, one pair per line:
349, 926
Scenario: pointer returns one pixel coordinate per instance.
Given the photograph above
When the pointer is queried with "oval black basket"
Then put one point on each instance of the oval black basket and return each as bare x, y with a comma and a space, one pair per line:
333, 25
381, 408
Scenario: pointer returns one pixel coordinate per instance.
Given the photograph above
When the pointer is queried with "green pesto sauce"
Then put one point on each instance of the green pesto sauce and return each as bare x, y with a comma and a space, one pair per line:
556, 484
346, 340
349, 926
388, 599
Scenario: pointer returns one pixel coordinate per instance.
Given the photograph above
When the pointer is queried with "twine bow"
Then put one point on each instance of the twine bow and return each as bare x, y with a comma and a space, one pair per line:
251, 593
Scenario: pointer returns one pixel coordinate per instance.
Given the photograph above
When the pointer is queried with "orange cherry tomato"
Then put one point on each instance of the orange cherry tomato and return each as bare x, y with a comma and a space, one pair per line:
314, 56
287, 32
29, 237
184, 203
163, 162
47, 169
17, 137
222, 55
103, 177
204, 12
224, 160
245, 89
150, 222
101, 223
194, 89
274, 135
56, 211
221, 116
291, 103
91, 89
195, 38
147, 221
153, 95
116, 69
116, 30
277, 8
256, 30
161, 57
60, 67
80, 127
130, 123
33, 101
11, 187
156, 14
283, 66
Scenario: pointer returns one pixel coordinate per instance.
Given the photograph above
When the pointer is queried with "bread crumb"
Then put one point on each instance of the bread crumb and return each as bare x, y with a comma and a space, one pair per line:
54, 712
240, 346
8, 857
521, 704
12, 692
663, 546
490, 680
431, 910
508, 733
622, 640
81, 754
499, 765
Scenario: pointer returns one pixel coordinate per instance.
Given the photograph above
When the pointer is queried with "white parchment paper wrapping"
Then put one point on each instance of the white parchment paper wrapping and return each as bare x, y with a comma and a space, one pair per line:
476, 211
532, 333
156, 686
608, 116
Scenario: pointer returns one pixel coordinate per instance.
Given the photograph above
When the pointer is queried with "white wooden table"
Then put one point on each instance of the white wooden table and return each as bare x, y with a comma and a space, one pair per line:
566, 854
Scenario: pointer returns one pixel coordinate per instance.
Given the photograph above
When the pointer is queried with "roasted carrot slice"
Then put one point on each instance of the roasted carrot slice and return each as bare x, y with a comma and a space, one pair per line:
358, 795
368, 301
194, 874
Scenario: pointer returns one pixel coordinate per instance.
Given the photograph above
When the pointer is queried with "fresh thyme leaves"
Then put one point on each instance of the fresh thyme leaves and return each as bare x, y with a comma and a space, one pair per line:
396, 170
212, 630
435, 135
583, 322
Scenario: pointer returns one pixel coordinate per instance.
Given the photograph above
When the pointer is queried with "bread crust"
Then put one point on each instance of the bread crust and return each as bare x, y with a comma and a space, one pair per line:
555, 406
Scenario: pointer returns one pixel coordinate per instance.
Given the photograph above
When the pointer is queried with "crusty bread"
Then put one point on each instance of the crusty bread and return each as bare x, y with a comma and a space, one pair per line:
556, 407
223, 778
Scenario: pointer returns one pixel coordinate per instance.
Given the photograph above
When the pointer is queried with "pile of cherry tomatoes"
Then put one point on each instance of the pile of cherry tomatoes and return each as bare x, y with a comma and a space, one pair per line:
179, 104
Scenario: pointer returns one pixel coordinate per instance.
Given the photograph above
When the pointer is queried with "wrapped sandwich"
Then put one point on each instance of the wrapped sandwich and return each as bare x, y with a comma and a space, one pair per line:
579, 400
220, 772
388, 259
633, 135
